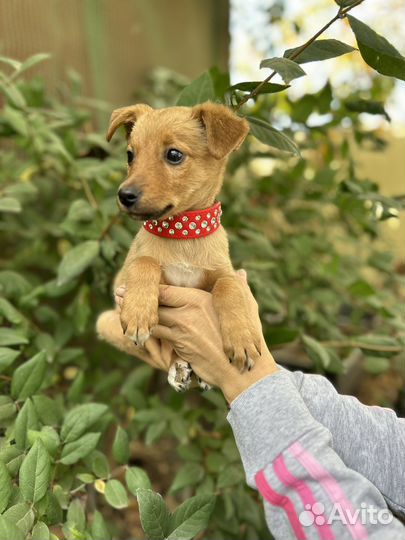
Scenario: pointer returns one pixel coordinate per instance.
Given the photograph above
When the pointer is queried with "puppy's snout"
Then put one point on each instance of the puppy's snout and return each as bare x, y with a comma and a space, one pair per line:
129, 196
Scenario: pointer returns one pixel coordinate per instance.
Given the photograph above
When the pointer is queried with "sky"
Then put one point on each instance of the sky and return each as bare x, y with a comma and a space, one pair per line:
253, 38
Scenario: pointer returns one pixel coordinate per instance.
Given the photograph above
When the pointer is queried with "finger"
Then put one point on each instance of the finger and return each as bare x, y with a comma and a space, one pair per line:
163, 332
179, 296
119, 300
120, 291
168, 316
242, 273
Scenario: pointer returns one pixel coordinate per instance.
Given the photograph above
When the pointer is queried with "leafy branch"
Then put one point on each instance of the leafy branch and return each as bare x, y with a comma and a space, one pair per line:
340, 15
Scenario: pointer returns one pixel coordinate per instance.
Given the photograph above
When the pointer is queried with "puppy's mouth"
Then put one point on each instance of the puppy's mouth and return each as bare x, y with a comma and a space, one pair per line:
154, 214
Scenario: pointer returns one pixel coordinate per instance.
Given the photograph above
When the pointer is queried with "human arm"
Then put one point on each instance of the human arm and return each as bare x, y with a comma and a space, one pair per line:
370, 440
274, 429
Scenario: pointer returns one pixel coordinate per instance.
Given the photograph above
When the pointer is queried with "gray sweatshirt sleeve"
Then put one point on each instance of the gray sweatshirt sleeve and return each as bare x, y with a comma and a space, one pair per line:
370, 440
307, 489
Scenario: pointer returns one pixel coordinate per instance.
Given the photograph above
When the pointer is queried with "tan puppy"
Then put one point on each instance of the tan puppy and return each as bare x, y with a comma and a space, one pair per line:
176, 163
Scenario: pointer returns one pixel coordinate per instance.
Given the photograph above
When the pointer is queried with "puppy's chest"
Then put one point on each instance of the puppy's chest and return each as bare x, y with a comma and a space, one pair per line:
183, 275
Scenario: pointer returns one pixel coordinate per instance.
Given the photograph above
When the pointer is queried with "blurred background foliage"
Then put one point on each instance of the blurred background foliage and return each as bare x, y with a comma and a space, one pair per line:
101, 434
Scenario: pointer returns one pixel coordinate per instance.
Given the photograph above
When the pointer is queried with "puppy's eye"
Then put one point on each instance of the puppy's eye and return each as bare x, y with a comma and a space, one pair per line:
174, 157
130, 156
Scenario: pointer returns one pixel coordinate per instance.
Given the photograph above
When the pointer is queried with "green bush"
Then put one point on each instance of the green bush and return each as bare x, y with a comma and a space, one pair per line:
70, 405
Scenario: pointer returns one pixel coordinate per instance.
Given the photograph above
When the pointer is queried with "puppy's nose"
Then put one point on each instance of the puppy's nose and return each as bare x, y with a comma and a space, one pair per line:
129, 196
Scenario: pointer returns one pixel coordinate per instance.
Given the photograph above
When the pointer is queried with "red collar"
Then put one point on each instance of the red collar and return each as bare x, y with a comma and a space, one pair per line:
188, 225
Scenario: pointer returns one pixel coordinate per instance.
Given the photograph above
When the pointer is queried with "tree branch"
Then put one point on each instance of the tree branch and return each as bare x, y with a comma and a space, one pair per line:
340, 15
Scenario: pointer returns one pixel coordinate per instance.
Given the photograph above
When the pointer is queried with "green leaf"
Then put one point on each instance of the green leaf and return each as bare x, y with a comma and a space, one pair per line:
155, 431
28, 378
7, 408
267, 134
321, 49
48, 410
115, 494
316, 351
9, 204
53, 512
13, 95
15, 64
199, 91
80, 211
153, 513
277, 335
40, 531
267, 88
22, 515
80, 418
86, 478
136, 478
76, 516
191, 517
188, 475
361, 289
12, 458
99, 464
48, 436
230, 476
7, 357
376, 51
33, 61
6, 487
80, 448
35, 473
367, 106
9, 336
99, 530
287, 69
8, 311
120, 448
26, 419
77, 260
376, 364
17, 121
368, 342
8, 530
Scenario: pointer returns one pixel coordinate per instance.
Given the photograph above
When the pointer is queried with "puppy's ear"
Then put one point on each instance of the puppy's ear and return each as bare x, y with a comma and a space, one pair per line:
126, 116
225, 130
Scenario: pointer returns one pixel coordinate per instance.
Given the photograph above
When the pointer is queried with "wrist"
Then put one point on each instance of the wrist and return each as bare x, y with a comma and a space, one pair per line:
236, 383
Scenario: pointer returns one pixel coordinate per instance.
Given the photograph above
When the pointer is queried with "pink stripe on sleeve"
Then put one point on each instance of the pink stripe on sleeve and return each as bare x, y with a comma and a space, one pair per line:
330, 485
276, 499
305, 494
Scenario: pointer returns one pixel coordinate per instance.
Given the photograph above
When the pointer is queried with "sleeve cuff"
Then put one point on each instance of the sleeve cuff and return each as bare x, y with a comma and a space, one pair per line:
266, 419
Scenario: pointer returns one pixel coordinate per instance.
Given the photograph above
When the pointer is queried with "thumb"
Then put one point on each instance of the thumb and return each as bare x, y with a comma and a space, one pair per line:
179, 296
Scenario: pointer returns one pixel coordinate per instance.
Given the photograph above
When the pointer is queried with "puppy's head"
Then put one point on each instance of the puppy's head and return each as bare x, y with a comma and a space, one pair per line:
176, 156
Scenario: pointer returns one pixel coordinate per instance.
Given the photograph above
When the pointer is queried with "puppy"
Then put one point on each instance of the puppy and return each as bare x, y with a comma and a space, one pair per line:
176, 164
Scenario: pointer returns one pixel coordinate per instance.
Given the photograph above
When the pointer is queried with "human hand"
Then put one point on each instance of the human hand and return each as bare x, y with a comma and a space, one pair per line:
188, 320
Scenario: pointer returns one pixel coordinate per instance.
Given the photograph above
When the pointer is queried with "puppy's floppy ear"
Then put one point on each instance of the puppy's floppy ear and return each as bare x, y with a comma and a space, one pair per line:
225, 130
126, 116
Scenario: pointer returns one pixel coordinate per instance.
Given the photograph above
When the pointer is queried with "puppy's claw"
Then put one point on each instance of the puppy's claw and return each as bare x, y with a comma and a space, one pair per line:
203, 385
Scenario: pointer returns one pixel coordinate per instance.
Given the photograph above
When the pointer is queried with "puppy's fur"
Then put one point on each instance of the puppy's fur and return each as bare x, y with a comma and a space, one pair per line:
206, 134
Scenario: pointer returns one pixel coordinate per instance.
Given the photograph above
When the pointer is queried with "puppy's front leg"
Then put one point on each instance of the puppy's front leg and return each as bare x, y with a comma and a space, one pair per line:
242, 341
139, 312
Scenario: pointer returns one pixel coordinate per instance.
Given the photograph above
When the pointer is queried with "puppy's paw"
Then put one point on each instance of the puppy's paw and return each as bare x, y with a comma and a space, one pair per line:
202, 384
242, 347
179, 375
138, 322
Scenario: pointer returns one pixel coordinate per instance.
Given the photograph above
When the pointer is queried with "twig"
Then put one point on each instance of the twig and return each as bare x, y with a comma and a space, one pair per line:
111, 223
340, 15
89, 194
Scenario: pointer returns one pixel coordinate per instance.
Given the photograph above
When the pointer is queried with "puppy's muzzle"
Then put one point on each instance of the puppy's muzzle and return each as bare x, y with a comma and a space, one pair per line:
129, 197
